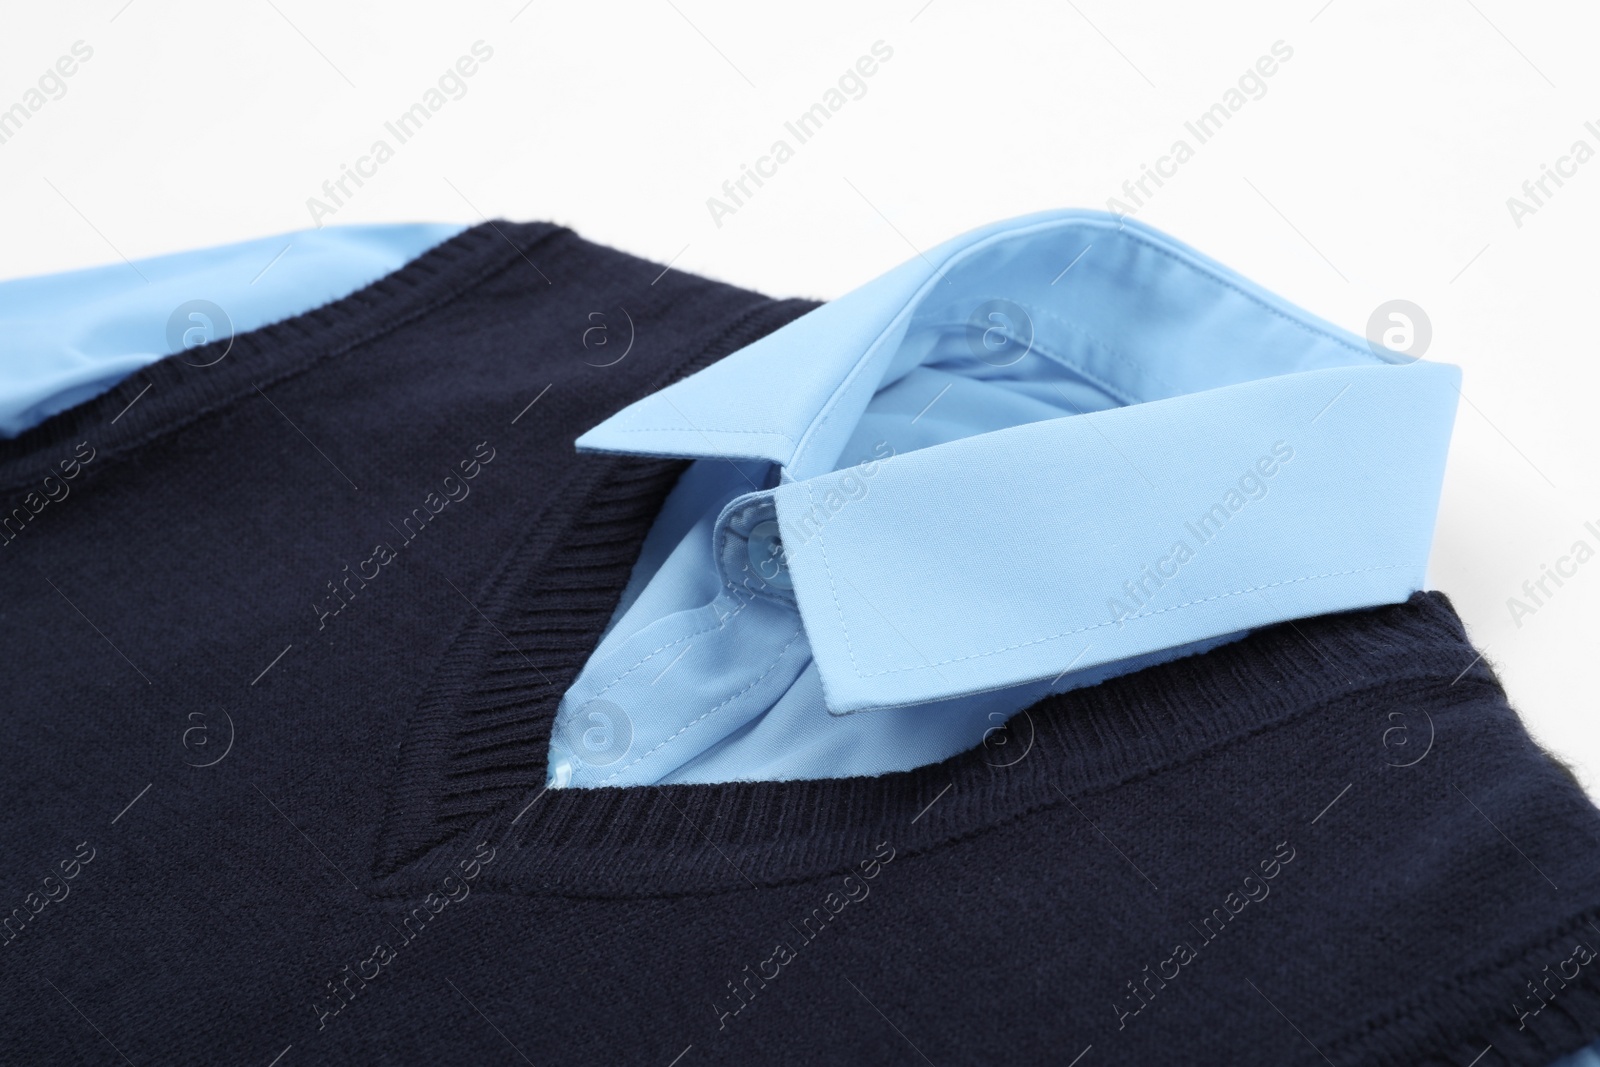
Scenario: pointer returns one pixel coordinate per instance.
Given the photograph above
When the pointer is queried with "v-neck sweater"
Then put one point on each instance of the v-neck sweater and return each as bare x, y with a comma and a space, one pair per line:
283, 651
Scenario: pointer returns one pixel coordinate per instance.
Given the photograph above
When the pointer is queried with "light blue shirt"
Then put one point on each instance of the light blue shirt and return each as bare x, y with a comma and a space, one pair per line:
1049, 451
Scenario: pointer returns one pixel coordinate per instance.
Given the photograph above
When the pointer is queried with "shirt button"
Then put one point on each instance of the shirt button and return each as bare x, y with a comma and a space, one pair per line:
766, 555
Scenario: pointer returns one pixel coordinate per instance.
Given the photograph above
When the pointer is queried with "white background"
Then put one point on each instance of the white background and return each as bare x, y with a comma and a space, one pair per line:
1377, 166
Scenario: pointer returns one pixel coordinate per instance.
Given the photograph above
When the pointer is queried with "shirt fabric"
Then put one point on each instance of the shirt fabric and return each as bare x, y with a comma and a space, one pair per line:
1053, 450
284, 663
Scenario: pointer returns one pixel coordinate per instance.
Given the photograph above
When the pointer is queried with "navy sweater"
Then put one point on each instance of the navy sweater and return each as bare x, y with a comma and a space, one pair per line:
283, 641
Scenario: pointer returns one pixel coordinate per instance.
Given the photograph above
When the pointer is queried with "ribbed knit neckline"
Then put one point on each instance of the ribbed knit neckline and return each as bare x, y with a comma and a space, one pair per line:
472, 762
687, 839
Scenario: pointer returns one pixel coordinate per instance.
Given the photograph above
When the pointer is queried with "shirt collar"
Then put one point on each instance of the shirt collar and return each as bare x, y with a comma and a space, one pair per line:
1265, 466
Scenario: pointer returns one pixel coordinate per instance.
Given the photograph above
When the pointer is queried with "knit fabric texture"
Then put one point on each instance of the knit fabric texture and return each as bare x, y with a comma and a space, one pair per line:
285, 625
